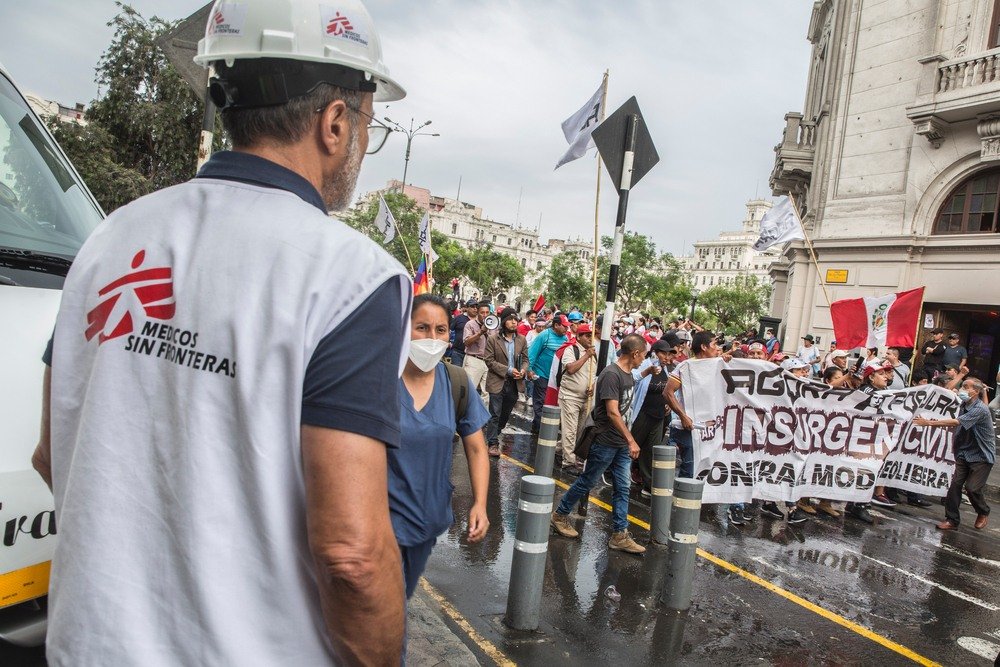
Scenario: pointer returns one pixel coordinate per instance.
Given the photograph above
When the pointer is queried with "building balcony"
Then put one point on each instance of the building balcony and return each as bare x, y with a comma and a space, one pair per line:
956, 90
793, 157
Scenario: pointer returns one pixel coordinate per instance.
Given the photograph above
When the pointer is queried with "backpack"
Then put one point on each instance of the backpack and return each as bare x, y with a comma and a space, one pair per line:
562, 368
459, 390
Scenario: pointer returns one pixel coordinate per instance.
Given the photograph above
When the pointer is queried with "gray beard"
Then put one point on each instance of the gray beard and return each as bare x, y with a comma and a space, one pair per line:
338, 192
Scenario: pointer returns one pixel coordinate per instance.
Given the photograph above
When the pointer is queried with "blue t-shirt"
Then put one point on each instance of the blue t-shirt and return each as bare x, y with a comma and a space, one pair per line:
420, 470
543, 348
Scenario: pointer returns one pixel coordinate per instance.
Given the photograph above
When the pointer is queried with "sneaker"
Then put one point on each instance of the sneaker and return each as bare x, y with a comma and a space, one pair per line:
747, 515
495, 450
826, 507
920, 502
772, 510
562, 525
606, 479
806, 506
882, 500
861, 513
636, 475
798, 516
644, 492
736, 516
623, 542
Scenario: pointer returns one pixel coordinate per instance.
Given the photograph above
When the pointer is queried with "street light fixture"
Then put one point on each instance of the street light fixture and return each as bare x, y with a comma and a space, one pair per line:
412, 132
694, 302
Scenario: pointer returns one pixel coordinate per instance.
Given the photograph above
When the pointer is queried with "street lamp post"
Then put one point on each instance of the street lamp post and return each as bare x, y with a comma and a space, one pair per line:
412, 132
694, 302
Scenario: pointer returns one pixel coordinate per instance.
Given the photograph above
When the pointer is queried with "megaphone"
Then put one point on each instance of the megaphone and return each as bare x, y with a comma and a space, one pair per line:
491, 322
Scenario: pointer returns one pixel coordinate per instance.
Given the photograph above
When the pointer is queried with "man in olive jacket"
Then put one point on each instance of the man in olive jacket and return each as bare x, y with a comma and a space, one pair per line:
506, 360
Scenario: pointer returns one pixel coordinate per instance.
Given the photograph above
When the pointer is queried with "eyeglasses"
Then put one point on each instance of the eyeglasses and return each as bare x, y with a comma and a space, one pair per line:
378, 131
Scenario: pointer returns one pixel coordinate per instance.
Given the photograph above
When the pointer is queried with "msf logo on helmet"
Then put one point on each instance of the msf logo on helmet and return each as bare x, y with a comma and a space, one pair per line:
338, 24
149, 290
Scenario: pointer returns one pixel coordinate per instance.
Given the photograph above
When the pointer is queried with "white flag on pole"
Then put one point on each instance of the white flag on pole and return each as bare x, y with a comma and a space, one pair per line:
779, 225
578, 127
384, 221
425, 237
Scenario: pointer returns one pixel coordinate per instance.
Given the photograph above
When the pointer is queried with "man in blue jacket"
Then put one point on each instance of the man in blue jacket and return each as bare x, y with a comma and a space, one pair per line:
540, 357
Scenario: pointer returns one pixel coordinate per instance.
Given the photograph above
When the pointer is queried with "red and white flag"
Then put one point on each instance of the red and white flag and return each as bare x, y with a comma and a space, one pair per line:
877, 321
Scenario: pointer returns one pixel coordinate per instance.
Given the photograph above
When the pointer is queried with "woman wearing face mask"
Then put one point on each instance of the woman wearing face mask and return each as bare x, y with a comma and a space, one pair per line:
419, 471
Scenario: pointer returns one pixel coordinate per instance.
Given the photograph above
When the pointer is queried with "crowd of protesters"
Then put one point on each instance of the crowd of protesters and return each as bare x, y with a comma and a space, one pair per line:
631, 416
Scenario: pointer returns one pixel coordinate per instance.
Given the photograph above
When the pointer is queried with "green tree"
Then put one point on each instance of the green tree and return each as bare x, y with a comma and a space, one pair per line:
143, 132
493, 272
91, 149
406, 246
646, 278
736, 306
567, 281
452, 262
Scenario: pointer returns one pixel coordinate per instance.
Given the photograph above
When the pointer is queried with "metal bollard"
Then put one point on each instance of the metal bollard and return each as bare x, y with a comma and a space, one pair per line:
548, 438
664, 466
531, 543
682, 543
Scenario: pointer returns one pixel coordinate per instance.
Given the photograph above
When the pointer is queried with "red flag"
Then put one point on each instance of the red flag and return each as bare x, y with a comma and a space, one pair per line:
539, 302
876, 321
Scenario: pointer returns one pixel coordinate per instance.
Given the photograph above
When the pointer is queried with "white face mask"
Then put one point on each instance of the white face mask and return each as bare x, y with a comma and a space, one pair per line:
426, 352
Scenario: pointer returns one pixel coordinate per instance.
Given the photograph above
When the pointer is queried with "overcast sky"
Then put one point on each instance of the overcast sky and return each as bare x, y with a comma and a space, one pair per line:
714, 79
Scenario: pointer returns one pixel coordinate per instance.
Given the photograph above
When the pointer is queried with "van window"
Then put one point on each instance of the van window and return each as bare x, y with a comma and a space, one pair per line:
45, 213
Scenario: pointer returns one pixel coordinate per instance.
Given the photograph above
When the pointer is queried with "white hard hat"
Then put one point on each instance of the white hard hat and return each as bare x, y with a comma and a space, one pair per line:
793, 363
341, 34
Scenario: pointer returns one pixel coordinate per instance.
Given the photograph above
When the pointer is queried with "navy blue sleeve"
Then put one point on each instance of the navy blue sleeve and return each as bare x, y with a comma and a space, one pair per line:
475, 416
352, 380
47, 355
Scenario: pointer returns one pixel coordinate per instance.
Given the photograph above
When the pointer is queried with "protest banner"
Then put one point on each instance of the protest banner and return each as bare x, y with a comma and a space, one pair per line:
761, 432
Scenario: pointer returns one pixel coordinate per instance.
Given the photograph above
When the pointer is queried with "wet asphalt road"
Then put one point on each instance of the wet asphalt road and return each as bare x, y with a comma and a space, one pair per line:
933, 596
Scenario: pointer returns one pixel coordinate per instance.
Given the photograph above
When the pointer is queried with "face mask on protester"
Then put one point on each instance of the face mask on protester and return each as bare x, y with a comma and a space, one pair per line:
426, 352
964, 396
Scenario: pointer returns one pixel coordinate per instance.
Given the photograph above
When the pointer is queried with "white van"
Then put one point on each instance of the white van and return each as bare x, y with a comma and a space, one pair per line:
46, 212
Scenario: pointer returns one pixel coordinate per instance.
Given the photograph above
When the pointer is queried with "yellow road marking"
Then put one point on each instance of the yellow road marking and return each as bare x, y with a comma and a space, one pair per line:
774, 588
495, 654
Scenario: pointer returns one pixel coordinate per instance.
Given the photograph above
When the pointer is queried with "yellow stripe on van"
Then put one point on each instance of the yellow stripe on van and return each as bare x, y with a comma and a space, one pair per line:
25, 584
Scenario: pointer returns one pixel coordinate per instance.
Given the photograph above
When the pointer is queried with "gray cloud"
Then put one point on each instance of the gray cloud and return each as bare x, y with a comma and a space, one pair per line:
497, 78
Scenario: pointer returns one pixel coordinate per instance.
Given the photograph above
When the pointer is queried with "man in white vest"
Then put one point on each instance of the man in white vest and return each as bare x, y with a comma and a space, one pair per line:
216, 437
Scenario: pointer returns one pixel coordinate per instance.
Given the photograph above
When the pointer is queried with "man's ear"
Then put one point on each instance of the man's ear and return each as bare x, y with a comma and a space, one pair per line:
334, 129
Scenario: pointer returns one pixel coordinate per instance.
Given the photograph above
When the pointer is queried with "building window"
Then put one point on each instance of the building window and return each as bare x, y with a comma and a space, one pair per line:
494, 238
972, 206
510, 241
539, 267
524, 262
454, 228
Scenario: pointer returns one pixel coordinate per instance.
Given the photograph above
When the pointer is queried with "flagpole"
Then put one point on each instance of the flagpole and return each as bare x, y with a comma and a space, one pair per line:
402, 240
597, 236
812, 252
916, 337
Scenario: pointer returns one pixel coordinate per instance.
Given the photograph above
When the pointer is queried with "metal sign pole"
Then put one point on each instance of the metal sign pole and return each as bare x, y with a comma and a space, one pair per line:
616, 250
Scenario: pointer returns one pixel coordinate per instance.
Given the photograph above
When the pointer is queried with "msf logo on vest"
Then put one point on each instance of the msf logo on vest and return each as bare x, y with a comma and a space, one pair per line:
146, 290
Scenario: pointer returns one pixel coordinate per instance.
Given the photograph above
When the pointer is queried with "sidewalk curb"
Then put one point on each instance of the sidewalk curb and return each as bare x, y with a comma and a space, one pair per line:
430, 642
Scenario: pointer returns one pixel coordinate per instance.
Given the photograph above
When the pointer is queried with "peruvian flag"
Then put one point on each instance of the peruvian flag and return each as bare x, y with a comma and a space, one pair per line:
877, 321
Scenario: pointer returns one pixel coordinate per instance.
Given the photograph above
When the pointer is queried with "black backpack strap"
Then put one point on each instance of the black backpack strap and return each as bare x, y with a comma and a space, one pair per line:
459, 390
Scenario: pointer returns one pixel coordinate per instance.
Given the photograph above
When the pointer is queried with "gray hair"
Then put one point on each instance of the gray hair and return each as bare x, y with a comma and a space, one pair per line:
284, 123
977, 385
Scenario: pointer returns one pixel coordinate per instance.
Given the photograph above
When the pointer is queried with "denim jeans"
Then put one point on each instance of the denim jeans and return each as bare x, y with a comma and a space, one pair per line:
457, 358
599, 459
538, 389
501, 405
681, 439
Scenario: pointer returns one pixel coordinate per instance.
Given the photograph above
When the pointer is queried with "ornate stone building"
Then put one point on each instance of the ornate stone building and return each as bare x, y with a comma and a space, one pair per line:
895, 162
730, 255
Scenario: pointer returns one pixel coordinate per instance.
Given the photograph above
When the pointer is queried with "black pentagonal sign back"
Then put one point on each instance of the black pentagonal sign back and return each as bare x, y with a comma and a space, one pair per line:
609, 137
